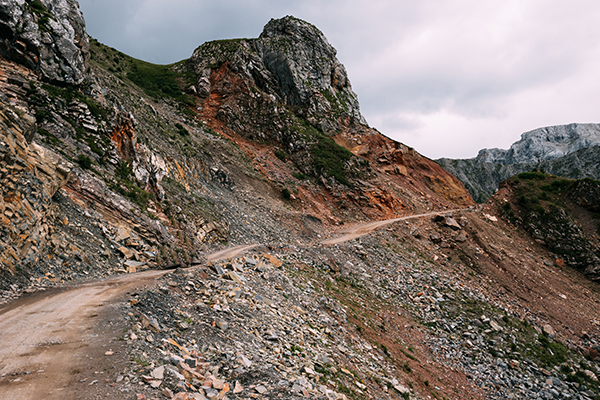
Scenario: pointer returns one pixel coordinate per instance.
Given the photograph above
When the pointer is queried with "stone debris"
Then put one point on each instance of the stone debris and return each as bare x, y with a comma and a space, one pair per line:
257, 338
269, 346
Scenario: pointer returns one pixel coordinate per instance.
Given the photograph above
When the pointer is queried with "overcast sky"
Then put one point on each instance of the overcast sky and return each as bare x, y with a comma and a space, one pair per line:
447, 77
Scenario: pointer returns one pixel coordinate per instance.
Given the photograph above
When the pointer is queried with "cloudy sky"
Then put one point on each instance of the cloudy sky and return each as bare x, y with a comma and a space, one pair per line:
447, 77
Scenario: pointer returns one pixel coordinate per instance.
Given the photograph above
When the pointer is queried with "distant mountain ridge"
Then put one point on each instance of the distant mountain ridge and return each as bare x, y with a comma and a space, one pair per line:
570, 151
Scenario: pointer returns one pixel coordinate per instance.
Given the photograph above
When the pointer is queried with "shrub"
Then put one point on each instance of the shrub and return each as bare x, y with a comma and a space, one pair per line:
300, 176
84, 161
281, 155
532, 175
330, 159
124, 170
181, 130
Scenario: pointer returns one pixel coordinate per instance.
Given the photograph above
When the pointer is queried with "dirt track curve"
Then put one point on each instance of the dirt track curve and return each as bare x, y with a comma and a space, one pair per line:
45, 337
364, 229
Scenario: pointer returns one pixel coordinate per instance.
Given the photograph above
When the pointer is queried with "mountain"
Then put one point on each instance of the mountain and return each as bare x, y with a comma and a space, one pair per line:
229, 226
570, 151
254, 120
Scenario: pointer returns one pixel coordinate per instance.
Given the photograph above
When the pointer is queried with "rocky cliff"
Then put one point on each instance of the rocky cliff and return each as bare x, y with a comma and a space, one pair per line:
560, 214
47, 36
288, 88
570, 151
174, 151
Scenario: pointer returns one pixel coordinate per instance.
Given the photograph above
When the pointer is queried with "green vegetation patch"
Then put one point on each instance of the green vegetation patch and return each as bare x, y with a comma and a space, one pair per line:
43, 14
329, 158
156, 80
532, 175
70, 94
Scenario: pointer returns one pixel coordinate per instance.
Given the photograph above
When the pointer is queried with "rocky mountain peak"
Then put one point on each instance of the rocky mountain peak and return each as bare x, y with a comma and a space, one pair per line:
570, 151
545, 144
305, 65
291, 61
47, 36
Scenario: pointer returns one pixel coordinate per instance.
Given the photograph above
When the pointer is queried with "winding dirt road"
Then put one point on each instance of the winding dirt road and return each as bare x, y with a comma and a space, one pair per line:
364, 229
47, 338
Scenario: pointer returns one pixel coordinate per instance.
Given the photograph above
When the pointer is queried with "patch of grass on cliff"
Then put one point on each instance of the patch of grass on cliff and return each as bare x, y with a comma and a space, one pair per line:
38, 8
70, 94
538, 192
136, 195
156, 80
84, 161
532, 175
125, 185
326, 158
221, 50
160, 81
330, 159
339, 105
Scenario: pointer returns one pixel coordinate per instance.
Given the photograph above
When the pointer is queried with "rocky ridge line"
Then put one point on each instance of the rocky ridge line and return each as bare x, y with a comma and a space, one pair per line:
569, 151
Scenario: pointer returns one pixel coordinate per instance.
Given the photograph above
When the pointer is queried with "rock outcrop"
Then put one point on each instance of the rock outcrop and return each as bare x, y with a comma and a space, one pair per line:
559, 214
287, 88
293, 61
47, 36
29, 176
306, 68
545, 144
570, 151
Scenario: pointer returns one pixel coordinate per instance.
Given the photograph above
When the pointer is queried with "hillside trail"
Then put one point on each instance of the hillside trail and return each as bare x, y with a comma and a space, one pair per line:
48, 338
364, 229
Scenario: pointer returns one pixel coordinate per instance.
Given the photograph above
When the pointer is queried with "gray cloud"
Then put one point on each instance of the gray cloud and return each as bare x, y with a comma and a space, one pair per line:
446, 77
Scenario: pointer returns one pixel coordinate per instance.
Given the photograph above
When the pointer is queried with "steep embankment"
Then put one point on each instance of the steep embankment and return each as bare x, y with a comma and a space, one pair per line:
560, 214
570, 151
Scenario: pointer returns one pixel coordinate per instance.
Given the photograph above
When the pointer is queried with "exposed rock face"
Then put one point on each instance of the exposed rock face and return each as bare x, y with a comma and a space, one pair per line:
29, 176
558, 214
570, 151
293, 61
586, 193
287, 88
545, 144
305, 66
47, 36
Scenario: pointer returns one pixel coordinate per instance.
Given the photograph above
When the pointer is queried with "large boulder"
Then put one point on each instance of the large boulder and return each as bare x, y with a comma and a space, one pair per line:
47, 36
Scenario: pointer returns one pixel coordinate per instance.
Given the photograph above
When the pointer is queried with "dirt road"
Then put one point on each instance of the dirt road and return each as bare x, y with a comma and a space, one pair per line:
48, 338
364, 229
